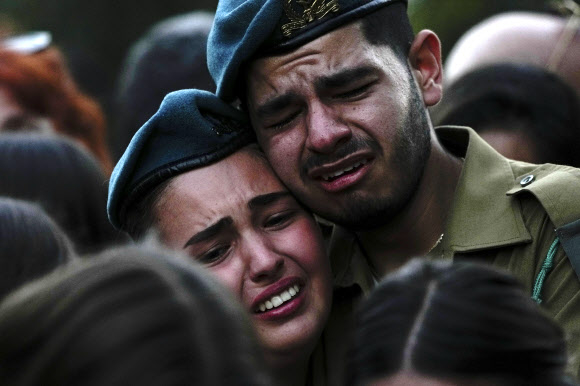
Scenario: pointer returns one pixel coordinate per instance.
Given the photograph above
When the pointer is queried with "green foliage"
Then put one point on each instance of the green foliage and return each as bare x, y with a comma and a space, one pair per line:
451, 18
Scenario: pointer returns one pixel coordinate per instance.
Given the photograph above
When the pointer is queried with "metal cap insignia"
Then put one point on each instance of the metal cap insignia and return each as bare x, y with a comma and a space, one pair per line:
312, 10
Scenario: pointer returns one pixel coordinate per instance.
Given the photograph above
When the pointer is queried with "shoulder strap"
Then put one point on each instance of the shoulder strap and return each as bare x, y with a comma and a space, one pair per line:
557, 188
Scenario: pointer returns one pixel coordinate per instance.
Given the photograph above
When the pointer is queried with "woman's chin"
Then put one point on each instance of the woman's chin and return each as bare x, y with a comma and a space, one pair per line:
294, 341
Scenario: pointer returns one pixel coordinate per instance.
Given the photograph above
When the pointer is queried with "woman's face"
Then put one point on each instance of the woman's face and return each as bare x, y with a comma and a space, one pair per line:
237, 219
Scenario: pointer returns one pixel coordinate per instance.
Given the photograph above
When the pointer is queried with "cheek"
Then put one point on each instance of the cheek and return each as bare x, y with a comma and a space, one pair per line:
230, 276
283, 151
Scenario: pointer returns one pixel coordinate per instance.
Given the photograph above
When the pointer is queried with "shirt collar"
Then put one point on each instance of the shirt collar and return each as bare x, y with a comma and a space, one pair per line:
349, 265
482, 215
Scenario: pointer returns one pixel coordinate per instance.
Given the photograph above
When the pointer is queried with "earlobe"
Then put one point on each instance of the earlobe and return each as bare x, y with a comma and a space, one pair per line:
425, 60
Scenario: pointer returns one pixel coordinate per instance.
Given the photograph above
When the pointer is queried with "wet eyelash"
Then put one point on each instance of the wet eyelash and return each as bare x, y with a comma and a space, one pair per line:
284, 122
355, 92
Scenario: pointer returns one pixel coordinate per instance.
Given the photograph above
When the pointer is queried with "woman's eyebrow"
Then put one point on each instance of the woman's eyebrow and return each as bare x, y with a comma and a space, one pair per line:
210, 231
267, 199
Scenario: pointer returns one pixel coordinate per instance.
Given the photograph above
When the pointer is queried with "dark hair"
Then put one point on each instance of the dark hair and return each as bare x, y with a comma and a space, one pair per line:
387, 26
390, 26
517, 97
139, 217
31, 244
456, 321
170, 56
130, 316
65, 180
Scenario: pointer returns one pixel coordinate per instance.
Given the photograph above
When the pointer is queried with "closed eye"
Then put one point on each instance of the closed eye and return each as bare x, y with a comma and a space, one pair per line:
279, 220
354, 92
284, 122
214, 255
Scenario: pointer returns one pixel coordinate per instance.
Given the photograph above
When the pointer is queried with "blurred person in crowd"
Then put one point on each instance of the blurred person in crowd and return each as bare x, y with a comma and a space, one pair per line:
170, 56
453, 324
524, 112
548, 41
338, 93
65, 180
38, 92
193, 174
31, 244
130, 316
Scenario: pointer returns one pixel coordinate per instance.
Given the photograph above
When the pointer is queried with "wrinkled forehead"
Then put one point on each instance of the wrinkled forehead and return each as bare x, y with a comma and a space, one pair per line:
244, 28
227, 185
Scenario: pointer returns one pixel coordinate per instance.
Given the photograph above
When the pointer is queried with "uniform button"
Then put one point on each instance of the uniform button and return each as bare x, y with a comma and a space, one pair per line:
527, 180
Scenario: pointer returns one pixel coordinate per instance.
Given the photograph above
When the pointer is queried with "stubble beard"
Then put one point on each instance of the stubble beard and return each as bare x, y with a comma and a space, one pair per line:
412, 148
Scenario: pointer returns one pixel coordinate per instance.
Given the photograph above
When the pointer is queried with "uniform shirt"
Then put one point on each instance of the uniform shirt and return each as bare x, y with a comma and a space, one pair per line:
505, 211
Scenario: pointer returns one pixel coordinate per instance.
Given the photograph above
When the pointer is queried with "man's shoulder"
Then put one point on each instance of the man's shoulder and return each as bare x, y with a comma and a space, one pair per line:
555, 187
551, 192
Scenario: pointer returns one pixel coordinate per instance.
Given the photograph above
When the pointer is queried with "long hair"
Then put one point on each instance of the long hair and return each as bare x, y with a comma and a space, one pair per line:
42, 85
131, 316
65, 180
458, 321
31, 244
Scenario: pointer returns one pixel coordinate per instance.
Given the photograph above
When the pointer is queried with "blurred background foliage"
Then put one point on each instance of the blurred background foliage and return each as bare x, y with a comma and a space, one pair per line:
95, 35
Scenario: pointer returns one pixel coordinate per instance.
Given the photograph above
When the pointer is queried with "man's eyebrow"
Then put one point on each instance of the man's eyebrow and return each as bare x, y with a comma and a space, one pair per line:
266, 199
343, 77
275, 104
210, 231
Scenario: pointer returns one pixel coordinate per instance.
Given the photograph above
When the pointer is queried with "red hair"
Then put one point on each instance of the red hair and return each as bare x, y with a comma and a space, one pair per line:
42, 85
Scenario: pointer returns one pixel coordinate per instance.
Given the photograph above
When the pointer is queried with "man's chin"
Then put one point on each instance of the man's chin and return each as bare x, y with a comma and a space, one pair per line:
366, 216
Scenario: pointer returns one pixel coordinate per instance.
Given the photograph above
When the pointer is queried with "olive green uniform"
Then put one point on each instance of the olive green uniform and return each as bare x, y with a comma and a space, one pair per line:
510, 213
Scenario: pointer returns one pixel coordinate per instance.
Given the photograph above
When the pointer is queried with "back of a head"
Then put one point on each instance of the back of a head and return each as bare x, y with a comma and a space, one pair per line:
543, 40
131, 316
517, 98
456, 321
31, 244
64, 180
43, 86
170, 56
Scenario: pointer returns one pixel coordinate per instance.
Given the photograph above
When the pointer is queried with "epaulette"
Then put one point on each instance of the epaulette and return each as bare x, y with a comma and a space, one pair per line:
557, 188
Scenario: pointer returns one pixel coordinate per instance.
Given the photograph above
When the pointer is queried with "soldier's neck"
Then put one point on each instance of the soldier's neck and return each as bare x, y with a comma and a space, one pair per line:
419, 227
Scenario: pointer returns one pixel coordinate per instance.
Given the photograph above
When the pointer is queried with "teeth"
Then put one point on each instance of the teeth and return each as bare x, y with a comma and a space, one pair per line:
327, 177
279, 299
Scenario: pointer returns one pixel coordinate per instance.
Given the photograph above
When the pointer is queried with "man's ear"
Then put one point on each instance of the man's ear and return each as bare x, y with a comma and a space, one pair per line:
425, 61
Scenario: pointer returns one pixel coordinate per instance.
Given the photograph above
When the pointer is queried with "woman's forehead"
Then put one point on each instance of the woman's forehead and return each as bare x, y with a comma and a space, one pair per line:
225, 185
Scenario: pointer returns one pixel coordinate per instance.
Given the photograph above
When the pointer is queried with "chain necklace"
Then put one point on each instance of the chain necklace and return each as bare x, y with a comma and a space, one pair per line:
436, 243
373, 271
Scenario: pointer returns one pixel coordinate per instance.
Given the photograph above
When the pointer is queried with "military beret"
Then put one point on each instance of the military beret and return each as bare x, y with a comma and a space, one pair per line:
191, 129
244, 28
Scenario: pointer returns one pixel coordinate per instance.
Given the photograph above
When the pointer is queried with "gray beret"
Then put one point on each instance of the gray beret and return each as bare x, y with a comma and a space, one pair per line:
243, 29
191, 129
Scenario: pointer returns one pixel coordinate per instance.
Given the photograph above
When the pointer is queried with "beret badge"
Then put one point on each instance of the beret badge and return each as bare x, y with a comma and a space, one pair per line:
312, 10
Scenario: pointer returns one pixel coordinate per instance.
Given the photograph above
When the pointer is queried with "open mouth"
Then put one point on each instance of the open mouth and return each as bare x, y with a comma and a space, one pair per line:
348, 170
279, 299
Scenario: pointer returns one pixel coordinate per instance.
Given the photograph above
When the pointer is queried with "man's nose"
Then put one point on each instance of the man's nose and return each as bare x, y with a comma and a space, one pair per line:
264, 262
326, 130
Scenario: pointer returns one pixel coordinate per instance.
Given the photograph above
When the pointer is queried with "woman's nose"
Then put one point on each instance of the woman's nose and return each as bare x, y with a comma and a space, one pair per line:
265, 263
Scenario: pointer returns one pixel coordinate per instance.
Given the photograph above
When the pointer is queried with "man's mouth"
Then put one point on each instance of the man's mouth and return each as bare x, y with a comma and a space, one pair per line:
279, 299
350, 169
